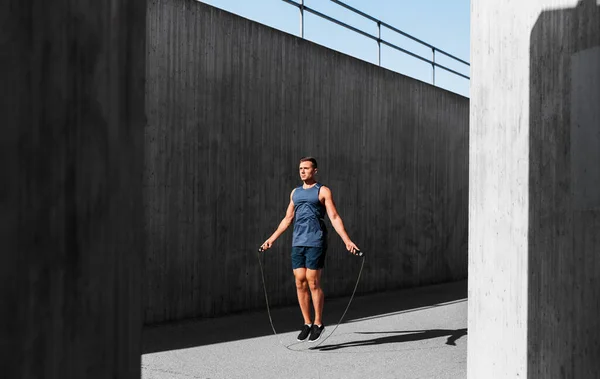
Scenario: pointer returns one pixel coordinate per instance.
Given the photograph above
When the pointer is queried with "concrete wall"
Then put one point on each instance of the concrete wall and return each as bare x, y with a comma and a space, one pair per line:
232, 106
534, 204
71, 215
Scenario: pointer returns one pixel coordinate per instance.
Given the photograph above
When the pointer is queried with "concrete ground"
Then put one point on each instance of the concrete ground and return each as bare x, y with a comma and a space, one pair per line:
417, 333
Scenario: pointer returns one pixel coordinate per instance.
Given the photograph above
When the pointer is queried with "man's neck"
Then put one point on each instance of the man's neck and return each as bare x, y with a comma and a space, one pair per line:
308, 184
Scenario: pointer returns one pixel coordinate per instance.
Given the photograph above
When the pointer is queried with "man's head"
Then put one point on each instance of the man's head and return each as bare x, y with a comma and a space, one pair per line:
308, 168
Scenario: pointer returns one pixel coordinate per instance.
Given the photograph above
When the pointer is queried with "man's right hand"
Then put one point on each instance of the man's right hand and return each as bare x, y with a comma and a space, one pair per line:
266, 245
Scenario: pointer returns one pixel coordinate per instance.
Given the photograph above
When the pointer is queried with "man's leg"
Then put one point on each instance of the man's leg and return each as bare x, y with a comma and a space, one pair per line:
302, 290
318, 298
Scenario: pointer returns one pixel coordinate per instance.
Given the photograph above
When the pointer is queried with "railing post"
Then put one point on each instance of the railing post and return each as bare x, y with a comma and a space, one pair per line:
433, 64
302, 19
379, 42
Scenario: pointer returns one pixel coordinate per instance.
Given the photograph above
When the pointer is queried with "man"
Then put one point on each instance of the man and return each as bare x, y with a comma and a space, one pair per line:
307, 207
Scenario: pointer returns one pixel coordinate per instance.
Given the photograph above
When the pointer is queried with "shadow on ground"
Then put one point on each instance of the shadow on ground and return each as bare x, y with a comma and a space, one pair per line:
191, 333
400, 336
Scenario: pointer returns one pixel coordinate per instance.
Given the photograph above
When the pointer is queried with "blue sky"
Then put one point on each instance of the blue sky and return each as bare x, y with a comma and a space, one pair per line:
441, 23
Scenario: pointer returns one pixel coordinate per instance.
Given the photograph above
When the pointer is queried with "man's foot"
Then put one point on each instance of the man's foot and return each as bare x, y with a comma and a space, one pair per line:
316, 332
304, 332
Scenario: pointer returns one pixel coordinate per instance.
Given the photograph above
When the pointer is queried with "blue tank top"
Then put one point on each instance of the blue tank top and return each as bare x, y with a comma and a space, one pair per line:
309, 225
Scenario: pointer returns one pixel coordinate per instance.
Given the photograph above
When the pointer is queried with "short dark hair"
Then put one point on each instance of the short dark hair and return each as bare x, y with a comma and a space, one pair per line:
309, 159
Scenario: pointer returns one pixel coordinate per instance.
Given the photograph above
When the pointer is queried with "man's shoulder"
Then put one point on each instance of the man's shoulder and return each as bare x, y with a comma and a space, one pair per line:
324, 189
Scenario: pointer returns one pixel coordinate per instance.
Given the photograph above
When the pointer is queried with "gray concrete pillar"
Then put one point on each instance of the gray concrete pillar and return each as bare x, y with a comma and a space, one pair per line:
534, 213
71, 217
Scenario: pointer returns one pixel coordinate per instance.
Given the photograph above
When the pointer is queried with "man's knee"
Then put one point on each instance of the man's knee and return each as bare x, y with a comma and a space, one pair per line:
313, 279
301, 284
300, 278
313, 284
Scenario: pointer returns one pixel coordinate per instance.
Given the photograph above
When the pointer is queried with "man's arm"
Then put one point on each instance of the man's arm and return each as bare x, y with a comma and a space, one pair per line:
336, 220
283, 225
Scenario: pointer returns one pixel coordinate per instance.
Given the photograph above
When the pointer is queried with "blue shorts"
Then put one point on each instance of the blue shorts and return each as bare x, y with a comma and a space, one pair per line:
308, 257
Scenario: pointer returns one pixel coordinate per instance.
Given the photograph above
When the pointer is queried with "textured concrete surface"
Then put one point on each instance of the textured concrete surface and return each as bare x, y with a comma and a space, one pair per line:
71, 216
418, 333
232, 105
534, 185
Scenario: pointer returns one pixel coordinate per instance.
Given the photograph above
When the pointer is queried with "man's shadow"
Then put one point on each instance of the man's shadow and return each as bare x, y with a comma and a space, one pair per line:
400, 336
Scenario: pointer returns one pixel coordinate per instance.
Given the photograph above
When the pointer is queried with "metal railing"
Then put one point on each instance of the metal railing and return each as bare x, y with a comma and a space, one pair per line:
378, 38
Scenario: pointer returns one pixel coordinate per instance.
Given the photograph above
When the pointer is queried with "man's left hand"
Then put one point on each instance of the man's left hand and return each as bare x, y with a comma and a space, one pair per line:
351, 247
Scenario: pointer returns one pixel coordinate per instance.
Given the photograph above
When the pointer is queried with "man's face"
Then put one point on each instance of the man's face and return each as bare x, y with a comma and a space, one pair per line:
307, 171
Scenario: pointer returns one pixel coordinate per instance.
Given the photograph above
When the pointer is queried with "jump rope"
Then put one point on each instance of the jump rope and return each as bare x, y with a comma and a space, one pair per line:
260, 250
